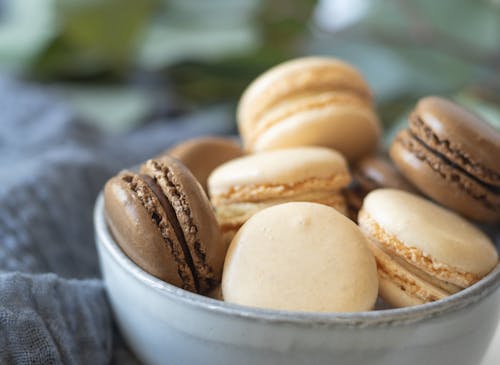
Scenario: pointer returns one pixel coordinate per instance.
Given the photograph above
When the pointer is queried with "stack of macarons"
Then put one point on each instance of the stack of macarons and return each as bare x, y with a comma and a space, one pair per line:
162, 219
424, 252
310, 101
308, 214
242, 187
452, 156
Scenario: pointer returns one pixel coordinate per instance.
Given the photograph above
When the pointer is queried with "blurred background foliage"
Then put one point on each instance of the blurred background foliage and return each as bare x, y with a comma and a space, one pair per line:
123, 62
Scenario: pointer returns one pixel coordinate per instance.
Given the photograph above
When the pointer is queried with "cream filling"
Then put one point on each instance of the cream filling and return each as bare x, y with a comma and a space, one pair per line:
448, 287
405, 280
443, 275
304, 102
235, 214
256, 193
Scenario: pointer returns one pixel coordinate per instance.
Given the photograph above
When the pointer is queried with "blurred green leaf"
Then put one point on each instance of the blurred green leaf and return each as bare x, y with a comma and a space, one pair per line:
475, 24
408, 49
94, 36
222, 81
451, 24
26, 28
209, 51
480, 102
165, 45
279, 28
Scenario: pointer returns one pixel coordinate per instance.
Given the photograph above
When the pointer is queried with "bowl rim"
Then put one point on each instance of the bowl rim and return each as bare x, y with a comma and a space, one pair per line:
386, 317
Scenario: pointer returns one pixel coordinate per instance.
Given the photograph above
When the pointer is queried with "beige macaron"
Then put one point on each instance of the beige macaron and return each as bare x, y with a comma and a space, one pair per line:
241, 187
300, 256
309, 101
424, 252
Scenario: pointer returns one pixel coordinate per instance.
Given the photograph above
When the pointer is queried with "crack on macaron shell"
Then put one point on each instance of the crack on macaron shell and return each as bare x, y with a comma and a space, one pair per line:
446, 148
303, 102
438, 163
414, 256
150, 202
262, 192
165, 178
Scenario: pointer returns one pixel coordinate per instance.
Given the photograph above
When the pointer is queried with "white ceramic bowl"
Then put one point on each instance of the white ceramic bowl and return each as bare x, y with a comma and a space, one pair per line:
167, 325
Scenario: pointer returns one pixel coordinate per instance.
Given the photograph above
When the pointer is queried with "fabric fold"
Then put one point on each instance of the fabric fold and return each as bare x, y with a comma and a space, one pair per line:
53, 307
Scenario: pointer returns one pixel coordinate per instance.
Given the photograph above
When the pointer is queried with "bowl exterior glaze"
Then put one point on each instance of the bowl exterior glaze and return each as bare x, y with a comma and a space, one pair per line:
166, 325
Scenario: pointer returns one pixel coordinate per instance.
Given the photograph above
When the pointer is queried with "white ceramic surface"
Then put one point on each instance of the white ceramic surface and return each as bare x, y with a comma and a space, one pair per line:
493, 354
167, 325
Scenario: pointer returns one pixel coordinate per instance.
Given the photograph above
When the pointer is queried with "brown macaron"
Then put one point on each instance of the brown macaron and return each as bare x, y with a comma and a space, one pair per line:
373, 172
202, 155
451, 155
376, 172
163, 221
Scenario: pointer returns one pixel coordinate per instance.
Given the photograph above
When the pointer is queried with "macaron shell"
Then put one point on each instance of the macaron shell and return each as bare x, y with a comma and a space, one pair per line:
282, 167
300, 256
232, 216
215, 293
303, 104
443, 237
460, 135
442, 181
202, 155
195, 216
241, 211
139, 236
372, 172
354, 200
400, 287
395, 296
375, 172
296, 77
351, 130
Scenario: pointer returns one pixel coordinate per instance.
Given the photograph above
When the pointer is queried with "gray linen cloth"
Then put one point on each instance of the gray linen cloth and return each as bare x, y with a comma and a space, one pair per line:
53, 307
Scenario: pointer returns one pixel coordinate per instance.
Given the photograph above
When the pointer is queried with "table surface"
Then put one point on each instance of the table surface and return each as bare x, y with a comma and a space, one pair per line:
493, 355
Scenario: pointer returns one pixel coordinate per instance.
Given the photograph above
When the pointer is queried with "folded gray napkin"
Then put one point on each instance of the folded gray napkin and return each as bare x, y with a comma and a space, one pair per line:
53, 307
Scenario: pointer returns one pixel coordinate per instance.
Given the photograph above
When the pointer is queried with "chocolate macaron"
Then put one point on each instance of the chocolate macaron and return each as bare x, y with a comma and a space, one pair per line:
163, 221
376, 172
202, 155
451, 155
373, 172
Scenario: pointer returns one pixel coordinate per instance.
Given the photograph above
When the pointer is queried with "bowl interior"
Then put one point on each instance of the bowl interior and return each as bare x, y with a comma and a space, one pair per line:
464, 298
